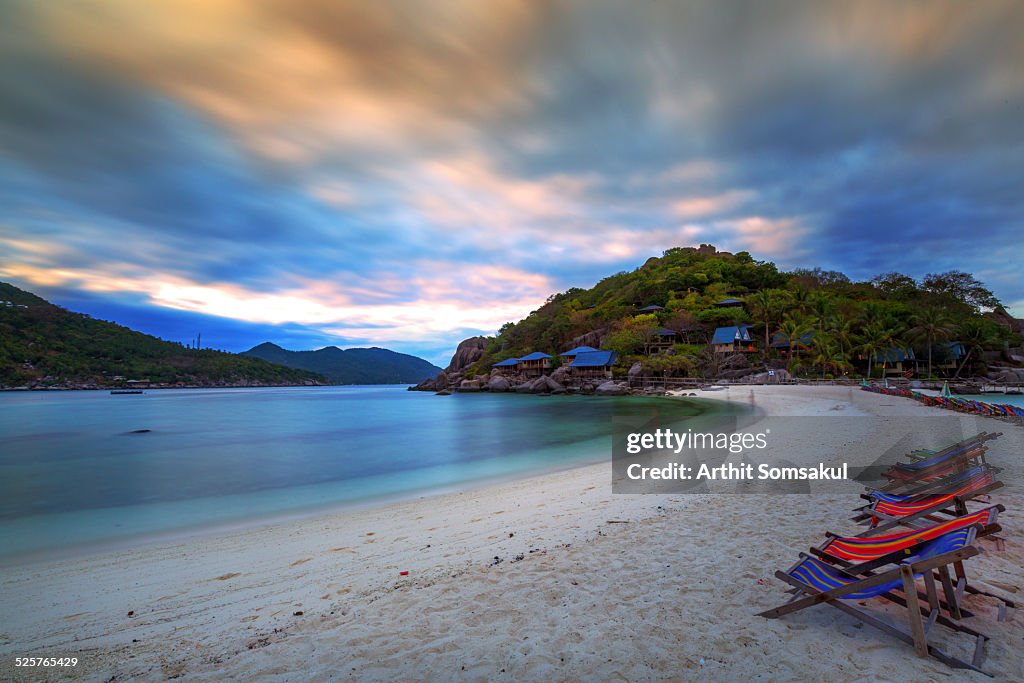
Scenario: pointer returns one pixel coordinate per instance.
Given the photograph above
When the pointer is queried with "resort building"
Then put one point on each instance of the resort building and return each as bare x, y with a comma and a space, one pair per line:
733, 339
896, 361
653, 308
663, 338
693, 334
593, 364
781, 342
507, 365
948, 356
534, 364
568, 356
730, 303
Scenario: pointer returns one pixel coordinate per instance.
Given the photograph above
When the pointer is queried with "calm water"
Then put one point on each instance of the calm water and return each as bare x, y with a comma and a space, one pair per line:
74, 475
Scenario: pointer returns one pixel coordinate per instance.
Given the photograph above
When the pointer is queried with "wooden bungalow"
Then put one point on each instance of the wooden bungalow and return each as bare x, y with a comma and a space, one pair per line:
594, 364
534, 364
948, 356
781, 342
507, 365
733, 339
729, 303
653, 308
693, 334
662, 339
896, 361
570, 355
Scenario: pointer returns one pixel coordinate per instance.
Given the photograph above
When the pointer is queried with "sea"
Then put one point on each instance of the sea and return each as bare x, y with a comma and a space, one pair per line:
85, 471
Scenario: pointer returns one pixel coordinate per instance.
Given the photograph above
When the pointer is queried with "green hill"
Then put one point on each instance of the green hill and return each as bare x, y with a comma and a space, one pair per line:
841, 324
44, 345
351, 366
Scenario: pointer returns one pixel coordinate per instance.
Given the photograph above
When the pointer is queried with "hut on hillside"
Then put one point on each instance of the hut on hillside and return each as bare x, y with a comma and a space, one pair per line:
534, 364
570, 355
733, 339
593, 364
662, 339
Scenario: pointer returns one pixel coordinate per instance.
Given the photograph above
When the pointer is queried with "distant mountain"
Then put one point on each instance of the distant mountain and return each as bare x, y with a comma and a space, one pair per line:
43, 345
351, 366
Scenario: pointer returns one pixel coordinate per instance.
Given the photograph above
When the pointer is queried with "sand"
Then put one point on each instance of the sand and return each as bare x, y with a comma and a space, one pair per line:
589, 586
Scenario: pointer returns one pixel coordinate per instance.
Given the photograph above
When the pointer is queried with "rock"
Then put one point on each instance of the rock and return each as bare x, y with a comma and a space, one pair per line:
469, 385
561, 374
611, 388
765, 378
498, 383
546, 384
425, 385
635, 371
441, 381
468, 352
443, 392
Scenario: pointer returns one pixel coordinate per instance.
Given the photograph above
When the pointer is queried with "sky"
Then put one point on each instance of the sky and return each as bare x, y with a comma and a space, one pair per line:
407, 174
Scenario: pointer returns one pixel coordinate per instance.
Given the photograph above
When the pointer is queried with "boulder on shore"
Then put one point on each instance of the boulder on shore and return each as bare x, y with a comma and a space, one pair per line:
498, 383
611, 388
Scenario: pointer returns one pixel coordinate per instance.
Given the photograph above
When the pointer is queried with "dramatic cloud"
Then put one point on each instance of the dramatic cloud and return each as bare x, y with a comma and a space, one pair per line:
407, 173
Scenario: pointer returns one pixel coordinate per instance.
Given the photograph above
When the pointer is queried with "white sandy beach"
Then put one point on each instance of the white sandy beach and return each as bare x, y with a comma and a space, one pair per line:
609, 587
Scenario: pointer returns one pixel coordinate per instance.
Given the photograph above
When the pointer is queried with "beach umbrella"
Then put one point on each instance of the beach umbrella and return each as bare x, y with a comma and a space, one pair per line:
946, 393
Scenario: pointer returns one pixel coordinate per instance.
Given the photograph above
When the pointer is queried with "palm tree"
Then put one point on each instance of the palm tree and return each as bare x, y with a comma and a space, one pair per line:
766, 307
793, 330
974, 335
841, 329
873, 341
827, 353
931, 325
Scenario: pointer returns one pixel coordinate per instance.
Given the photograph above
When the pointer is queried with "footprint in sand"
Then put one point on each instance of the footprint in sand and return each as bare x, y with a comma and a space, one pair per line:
400, 538
343, 591
345, 549
296, 563
251, 617
225, 577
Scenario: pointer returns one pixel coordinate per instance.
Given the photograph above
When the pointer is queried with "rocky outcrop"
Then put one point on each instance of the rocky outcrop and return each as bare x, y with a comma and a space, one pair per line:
468, 352
540, 385
611, 388
765, 378
498, 383
468, 385
592, 338
635, 371
1007, 375
1015, 325
561, 374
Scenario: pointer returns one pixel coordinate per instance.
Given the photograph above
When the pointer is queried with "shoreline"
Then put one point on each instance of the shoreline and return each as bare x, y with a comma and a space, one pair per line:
651, 586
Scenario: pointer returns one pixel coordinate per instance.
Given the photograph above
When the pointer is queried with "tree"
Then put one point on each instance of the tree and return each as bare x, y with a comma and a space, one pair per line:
794, 329
767, 307
975, 335
960, 287
828, 354
873, 341
930, 325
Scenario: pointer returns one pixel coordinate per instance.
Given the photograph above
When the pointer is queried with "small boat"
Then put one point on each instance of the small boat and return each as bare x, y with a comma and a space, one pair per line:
126, 391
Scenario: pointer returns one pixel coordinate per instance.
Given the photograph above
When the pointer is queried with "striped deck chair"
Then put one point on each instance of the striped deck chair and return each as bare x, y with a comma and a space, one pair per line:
928, 453
951, 460
863, 554
818, 582
884, 514
941, 484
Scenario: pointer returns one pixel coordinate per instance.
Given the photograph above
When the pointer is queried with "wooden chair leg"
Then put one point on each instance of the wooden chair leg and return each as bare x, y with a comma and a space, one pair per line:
914, 610
950, 593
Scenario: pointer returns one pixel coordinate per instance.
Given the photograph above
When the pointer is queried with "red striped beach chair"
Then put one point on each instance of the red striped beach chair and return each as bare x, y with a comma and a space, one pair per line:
888, 511
818, 582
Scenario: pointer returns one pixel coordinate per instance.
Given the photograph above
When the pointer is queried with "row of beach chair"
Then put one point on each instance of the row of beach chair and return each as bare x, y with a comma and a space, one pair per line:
920, 528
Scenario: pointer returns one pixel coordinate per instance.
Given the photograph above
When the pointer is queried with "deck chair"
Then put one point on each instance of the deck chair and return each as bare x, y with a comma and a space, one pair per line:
818, 582
927, 453
884, 514
950, 461
863, 554
940, 484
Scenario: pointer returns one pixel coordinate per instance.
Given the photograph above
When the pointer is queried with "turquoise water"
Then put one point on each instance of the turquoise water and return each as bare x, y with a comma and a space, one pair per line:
75, 475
